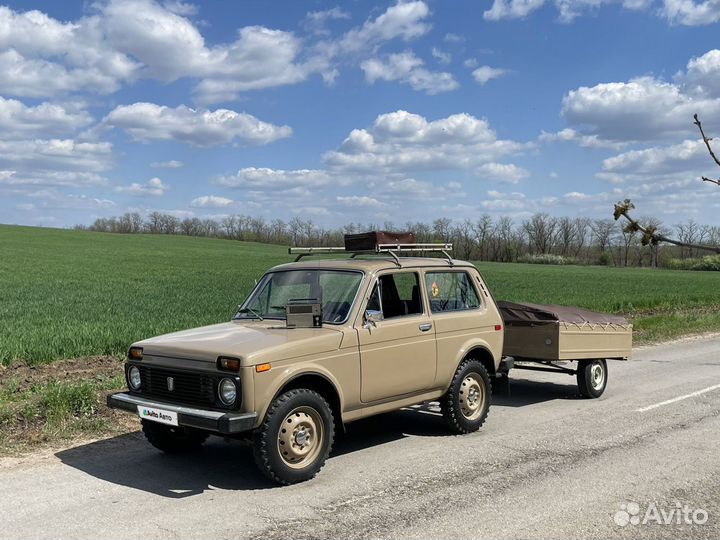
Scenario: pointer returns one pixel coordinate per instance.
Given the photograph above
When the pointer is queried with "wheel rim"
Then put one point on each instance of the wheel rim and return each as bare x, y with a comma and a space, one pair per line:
472, 397
300, 437
597, 376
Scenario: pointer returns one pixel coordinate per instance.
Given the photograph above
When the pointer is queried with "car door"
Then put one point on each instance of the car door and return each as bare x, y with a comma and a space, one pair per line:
457, 312
397, 351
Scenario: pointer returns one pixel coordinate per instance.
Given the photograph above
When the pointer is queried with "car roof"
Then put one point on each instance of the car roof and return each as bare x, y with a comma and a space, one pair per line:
372, 263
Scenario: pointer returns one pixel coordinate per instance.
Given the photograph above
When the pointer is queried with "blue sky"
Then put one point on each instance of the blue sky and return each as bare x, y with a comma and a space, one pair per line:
359, 111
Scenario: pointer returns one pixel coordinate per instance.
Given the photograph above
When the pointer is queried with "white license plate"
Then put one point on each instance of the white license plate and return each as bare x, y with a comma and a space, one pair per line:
158, 415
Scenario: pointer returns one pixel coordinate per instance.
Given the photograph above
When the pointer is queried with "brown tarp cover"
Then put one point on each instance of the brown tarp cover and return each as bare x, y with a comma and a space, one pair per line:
513, 313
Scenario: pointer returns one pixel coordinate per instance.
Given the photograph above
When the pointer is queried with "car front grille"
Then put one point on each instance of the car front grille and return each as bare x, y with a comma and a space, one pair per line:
186, 387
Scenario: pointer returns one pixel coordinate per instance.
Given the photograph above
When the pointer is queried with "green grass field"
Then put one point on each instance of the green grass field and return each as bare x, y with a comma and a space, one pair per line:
66, 294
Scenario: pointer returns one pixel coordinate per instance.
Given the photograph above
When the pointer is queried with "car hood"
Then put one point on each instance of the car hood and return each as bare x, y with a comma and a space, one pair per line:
251, 341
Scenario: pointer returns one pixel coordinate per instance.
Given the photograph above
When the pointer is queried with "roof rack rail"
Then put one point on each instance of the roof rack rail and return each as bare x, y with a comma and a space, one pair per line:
390, 249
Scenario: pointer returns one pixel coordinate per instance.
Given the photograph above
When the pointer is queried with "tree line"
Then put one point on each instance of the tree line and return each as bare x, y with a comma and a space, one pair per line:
539, 238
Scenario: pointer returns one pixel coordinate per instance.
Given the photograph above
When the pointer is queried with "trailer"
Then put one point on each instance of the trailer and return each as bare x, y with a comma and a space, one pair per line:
563, 339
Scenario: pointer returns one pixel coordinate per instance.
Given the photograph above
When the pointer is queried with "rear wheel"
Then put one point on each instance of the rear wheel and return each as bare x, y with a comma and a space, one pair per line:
295, 440
173, 439
466, 404
592, 377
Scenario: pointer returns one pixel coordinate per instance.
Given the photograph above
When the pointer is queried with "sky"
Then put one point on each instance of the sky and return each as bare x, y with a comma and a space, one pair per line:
362, 111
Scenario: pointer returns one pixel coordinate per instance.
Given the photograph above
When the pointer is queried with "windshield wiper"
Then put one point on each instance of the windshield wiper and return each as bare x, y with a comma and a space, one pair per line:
251, 311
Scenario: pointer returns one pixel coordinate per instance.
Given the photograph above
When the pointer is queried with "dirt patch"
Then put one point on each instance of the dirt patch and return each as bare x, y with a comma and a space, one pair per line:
22, 377
60, 403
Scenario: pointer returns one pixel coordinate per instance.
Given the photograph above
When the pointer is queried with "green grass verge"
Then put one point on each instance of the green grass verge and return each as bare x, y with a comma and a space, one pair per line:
66, 294
53, 410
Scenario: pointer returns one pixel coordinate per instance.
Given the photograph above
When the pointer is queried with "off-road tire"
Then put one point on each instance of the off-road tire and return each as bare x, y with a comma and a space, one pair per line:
451, 404
172, 439
589, 384
268, 437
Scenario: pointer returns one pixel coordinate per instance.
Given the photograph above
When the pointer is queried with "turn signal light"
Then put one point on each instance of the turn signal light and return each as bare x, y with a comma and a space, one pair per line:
136, 353
262, 367
228, 364
498, 327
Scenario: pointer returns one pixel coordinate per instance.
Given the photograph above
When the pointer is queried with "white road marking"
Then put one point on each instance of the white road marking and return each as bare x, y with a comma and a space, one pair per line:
679, 398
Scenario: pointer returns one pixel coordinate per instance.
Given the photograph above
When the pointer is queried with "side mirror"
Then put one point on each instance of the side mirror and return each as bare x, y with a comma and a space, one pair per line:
372, 317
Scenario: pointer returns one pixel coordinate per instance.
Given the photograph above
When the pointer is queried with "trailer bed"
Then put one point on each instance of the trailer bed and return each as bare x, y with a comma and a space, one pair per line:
553, 333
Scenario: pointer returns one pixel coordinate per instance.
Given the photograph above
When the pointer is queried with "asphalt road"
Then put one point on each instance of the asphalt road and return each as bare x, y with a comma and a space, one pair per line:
546, 464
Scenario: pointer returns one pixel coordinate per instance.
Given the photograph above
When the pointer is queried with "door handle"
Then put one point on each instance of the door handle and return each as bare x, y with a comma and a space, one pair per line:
425, 327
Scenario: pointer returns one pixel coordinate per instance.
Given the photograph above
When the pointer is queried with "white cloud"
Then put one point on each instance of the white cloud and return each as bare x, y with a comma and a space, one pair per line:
360, 201
153, 187
686, 156
58, 155
441, 56
504, 172
44, 57
408, 68
402, 141
690, 12
211, 201
681, 12
454, 38
172, 164
470, 63
404, 21
639, 110
484, 74
18, 120
586, 141
315, 21
29, 176
275, 179
148, 121
511, 9
703, 74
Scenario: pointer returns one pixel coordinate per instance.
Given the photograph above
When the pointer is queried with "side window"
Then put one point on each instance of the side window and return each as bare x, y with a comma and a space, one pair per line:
397, 295
451, 291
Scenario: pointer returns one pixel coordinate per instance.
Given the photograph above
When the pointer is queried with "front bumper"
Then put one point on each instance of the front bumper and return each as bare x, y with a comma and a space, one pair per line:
225, 423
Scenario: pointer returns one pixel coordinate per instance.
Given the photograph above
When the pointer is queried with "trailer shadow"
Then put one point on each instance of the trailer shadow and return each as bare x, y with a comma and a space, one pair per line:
128, 460
524, 392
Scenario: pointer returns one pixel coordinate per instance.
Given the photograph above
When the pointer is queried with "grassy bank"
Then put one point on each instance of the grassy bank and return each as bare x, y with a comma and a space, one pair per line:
68, 294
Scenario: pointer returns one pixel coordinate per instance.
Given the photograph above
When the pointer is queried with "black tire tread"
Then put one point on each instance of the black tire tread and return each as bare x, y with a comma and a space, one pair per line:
262, 436
449, 407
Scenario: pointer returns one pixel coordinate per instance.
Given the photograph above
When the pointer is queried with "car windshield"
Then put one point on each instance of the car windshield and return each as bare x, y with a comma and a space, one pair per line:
334, 289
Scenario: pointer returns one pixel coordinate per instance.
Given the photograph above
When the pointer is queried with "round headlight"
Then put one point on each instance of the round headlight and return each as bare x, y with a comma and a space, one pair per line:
227, 391
134, 378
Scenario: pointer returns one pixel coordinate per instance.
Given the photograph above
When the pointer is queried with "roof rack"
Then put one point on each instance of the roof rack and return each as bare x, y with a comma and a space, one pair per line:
390, 249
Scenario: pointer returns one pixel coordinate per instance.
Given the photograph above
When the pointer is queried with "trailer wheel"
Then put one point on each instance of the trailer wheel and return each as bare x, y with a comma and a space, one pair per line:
466, 404
592, 376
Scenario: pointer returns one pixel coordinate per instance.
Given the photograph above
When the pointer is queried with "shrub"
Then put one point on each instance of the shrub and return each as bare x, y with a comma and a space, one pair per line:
605, 259
707, 263
546, 258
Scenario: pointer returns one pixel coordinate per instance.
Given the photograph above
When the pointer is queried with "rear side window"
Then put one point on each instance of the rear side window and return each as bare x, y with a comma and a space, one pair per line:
451, 291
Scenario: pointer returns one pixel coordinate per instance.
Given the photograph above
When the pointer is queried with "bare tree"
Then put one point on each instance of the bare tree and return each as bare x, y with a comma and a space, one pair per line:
650, 233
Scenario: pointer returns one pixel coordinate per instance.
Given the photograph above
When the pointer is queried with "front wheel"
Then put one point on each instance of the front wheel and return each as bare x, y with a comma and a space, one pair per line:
466, 404
295, 439
592, 377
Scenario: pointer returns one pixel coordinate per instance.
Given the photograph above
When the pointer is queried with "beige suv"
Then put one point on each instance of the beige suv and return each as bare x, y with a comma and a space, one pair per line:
318, 344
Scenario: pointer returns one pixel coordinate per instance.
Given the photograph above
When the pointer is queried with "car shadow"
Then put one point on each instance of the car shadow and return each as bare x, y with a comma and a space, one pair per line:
128, 460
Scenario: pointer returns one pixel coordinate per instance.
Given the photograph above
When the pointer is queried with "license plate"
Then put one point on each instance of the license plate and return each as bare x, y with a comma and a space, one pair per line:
158, 415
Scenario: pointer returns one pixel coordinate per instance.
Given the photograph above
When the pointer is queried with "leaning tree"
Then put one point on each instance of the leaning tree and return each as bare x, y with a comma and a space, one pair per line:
650, 233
